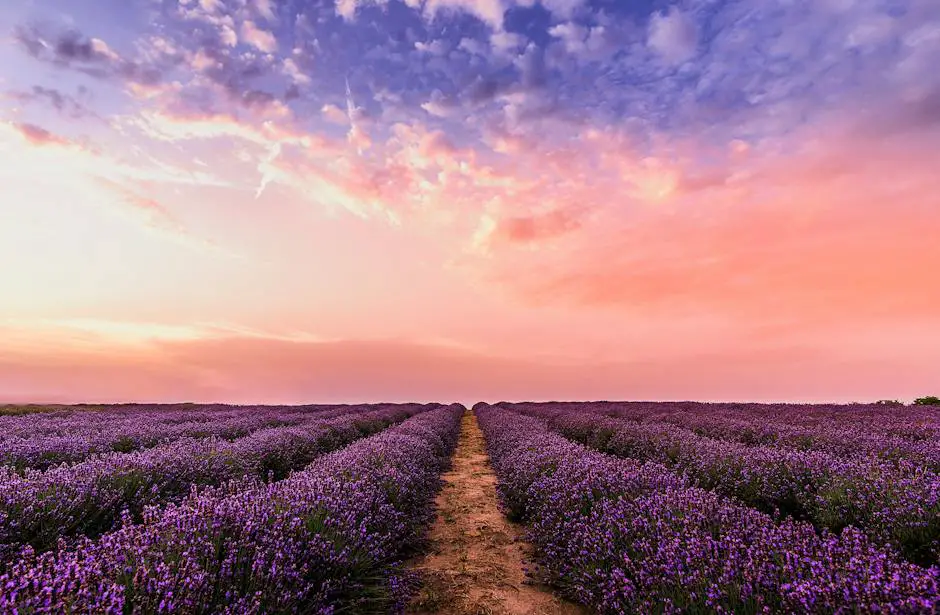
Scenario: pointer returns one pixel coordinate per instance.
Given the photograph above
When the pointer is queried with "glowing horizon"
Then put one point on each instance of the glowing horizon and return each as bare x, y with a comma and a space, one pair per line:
377, 200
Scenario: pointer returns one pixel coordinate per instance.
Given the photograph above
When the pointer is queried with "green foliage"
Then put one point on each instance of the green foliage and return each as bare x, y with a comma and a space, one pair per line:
15, 410
889, 402
930, 400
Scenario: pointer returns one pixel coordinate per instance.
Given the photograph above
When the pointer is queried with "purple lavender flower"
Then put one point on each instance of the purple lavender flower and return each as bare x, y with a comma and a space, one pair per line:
624, 536
327, 538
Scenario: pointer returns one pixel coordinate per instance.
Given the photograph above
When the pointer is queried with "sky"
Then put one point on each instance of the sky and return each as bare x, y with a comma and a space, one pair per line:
460, 200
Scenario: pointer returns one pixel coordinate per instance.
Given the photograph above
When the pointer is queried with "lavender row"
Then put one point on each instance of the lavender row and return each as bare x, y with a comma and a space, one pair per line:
141, 432
326, 540
625, 537
847, 431
71, 419
39, 508
82, 435
68, 419
43, 452
836, 438
911, 423
896, 504
92, 423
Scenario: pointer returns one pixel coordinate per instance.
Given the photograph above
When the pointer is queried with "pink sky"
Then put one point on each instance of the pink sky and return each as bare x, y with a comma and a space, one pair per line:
508, 200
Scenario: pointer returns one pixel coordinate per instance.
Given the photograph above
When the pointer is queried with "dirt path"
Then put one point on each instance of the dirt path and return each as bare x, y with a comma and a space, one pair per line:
475, 562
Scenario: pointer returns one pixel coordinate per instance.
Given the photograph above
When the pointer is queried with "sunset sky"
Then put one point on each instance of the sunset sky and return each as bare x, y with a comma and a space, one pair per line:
376, 200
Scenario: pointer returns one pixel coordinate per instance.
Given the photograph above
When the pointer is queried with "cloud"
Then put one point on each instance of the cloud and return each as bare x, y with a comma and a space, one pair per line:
228, 36
473, 46
87, 176
773, 237
72, 46
173, 126
357, 136
922, 112
484, 89
562, 9
251, 369
571, 34
260, 100
347, 8
65, 104
434, 48
506, 42
155, 213
441, 105
91, 56
233, 95
673, 35
218, 79
259, 38
211, 6
260, 370
335, 114
265, 8
327, 172
531, 66
293, 71
39, 136
83, 159
535, 228
753, 270
489, 11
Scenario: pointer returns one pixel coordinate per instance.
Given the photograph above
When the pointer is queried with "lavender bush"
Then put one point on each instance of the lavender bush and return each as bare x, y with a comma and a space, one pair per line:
328, 539
895, 503
43, 441
39, 508
629, 537
905, 433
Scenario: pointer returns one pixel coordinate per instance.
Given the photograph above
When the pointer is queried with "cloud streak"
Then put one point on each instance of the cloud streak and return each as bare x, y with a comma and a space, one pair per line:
248, 370
63, 103
39, 136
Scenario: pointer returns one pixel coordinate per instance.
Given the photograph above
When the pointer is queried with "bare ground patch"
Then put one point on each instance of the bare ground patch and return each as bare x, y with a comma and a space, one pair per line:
475, 560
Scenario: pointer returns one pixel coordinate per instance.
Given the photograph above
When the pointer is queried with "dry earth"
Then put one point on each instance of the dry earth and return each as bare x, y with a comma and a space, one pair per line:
476, 557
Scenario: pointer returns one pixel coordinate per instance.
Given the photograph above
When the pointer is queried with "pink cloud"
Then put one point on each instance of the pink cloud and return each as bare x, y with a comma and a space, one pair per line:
265, 8
258, 37
39, 136
789, 233
806, 239
155, 214
275, 371
536, 227
489, 11
673, 35
334, 114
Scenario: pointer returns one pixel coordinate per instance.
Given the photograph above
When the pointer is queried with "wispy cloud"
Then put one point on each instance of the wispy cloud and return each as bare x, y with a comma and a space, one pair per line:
62, 102
89, 55
673, 35
258, 37
37, 135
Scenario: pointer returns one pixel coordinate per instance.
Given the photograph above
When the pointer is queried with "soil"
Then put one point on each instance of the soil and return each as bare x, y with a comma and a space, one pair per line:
476, 559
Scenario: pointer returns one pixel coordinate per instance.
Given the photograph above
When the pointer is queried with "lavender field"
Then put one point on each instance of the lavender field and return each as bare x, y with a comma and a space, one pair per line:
245, 510
615, 508
696, 508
